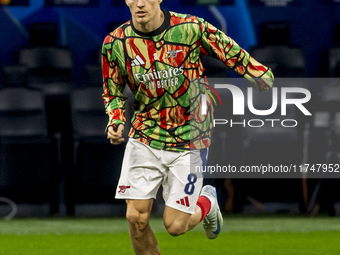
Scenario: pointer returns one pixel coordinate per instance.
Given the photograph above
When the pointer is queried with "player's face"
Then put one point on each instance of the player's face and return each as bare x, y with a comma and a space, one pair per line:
145, 12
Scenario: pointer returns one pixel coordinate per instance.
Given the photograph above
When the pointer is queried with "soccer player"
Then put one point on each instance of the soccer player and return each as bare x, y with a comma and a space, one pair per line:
158, 55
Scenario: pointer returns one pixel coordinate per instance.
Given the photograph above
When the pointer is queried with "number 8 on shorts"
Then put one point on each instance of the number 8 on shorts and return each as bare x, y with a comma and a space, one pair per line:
190, 187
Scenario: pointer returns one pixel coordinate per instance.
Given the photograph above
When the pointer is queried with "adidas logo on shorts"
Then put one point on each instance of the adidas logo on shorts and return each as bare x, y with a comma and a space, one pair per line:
184, 201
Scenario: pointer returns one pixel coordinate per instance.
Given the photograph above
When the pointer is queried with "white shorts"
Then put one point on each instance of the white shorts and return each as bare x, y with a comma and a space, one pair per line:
145, 169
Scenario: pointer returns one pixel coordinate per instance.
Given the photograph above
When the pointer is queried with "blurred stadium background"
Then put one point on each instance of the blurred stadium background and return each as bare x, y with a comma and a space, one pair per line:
55, 159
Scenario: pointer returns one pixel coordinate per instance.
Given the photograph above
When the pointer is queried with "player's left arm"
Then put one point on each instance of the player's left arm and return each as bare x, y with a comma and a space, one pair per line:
217, 44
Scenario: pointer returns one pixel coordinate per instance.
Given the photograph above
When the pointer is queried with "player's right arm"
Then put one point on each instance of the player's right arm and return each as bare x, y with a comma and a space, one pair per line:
113, 85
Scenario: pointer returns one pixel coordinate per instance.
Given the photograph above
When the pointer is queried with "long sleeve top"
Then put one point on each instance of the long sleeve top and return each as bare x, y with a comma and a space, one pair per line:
164, 71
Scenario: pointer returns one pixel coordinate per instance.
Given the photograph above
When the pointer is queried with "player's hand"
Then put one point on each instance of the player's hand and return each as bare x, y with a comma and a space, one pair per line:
115, 137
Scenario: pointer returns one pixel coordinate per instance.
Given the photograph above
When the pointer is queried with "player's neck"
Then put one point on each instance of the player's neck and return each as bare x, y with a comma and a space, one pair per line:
152, 25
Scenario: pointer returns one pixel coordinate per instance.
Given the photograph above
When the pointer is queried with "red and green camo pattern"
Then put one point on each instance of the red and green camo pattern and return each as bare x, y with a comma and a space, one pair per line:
164, 71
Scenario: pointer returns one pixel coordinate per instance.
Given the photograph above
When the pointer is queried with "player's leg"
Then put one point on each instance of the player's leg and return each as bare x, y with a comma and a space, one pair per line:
142, 237
207, 210
178, 223
140, 179
185, 206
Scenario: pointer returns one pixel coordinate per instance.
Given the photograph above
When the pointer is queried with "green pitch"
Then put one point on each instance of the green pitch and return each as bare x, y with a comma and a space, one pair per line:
240, 235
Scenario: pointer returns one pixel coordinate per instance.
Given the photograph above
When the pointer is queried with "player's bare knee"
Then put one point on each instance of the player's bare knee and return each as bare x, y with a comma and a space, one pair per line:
176, 228
138, 222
